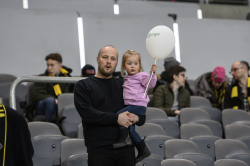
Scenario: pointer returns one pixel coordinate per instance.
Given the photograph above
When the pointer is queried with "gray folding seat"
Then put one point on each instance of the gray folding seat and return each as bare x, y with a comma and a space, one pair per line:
198, 101
80, 131
155, 137
199, 116
230, 162
153, 159
73, 152
64, 100
71, 121
46, 140
214, 113
185, 149
232, 149
138, 164
214, 126
202, 136
153, 113
238, 132
235, 116
7, 78
177, 162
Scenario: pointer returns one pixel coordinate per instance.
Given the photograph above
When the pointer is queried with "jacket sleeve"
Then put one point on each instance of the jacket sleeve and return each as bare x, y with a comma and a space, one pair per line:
227, 102
86, 110
158, 101
23, 149
145, 78
39, 92
188, 101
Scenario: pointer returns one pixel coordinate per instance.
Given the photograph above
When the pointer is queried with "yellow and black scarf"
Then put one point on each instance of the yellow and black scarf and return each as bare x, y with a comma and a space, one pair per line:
236, 92
56, 87
220, 93
3, 133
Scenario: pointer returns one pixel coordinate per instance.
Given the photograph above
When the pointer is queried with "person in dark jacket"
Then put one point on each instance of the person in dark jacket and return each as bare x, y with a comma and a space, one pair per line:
237, 95
15, 140
169, 62
88, 70
44, 95
212, 85
97, 100
172, 97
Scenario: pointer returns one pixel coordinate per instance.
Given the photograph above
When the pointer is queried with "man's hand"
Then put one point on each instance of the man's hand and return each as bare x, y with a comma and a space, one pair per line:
56, 100
177, 112
124, 120
134, 118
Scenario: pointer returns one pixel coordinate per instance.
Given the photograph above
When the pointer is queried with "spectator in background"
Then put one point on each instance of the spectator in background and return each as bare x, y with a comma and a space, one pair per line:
15, 141
238, 94
169, 62
172, 97
212, 85
44, 95
88, 70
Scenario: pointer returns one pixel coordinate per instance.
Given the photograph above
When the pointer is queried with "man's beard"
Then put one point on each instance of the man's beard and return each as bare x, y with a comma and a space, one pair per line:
105, 73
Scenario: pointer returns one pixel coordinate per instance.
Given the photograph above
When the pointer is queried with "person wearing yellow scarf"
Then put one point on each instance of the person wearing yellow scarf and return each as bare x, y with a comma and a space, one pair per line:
45, 95
238, 94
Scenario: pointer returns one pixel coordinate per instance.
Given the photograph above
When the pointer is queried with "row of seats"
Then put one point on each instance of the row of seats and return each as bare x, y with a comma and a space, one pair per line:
52, 148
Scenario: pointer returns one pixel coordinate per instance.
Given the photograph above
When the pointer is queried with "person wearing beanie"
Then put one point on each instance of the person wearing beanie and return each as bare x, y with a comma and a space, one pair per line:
237, 95
212, 86
88, 70
169, 62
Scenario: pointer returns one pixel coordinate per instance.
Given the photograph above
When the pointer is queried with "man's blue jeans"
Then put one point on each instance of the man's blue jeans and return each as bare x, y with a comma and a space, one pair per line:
138, 110
46, 107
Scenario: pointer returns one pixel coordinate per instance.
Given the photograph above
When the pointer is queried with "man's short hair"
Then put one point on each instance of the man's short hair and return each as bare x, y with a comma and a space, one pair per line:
174, 70
54, 56
245, 64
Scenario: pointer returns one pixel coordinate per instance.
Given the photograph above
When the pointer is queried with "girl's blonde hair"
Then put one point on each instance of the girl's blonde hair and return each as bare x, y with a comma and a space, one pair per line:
126, 55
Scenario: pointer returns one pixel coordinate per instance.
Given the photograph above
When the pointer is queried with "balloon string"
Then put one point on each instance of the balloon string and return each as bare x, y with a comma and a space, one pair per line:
148, 82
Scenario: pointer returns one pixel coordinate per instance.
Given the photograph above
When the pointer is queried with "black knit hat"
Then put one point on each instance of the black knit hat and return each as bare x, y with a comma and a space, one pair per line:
88, 70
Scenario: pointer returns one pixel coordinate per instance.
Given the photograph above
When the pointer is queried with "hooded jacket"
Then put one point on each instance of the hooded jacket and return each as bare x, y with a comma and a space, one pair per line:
42, 91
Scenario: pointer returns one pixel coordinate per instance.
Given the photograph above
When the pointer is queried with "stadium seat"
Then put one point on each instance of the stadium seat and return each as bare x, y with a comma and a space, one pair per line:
153, 160
64, 100
192, 114
177, 162
198, 101
153, 113
80, 131
4, 78
214, 113
230, 162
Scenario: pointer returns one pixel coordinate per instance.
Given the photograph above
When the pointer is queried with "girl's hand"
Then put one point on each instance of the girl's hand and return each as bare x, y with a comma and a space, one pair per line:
153, 68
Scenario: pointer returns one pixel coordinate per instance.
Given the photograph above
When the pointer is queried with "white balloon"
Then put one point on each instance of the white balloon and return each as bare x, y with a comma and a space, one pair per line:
160, 42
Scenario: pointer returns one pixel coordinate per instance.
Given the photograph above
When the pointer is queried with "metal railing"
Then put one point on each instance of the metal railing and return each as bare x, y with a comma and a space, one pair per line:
43, 79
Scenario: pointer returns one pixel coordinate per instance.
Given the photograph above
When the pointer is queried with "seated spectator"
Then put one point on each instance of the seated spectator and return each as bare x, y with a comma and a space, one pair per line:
172, 97
169, 62
237, 95
15, 140
212, 86
44, 95
88, 70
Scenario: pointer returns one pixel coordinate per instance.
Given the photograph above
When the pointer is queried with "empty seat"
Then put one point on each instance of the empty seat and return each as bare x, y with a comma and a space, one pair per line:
4, 78
71, 121
192, 114
153, 160
185, 149
73, 152
171, 127
177, 162
80, 131
46, 140
138, 164
238, 132
230, 162
214, 126
198, 101
231, 149
202, 136
214, 113
155, 137
153, 113
230, 116
64, 100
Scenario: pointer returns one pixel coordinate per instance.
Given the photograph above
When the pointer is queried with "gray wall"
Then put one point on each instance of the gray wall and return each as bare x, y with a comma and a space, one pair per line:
50, 26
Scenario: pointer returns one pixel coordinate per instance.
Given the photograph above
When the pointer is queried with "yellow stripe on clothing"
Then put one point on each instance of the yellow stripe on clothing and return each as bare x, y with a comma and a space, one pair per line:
234, 92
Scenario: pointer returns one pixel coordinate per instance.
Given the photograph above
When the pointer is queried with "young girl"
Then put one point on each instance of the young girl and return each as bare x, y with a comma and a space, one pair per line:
135, 83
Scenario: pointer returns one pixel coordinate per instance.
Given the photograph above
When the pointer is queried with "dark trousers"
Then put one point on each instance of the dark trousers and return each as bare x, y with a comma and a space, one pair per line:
107, 156
138, 110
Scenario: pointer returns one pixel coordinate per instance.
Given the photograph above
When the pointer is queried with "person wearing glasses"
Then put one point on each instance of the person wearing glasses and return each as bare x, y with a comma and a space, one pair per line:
212, 85
172, 97
237, 95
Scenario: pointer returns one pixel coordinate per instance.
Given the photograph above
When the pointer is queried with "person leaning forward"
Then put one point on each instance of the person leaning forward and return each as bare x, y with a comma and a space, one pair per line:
97, 99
